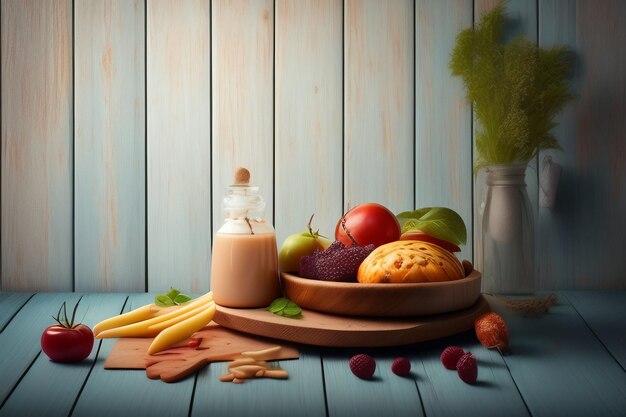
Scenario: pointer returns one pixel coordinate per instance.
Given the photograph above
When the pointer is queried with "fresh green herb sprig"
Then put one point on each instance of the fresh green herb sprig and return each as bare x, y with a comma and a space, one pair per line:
516, 88
171, 298
285, 307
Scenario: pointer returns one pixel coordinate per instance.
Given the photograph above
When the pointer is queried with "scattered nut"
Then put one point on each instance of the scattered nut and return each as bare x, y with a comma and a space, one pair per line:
242, 361
261, 355
227, 377
275, 373
253, 365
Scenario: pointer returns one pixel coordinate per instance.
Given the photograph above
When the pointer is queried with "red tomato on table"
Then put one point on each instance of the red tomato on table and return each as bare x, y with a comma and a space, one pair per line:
368, 223
65, 341
67, 344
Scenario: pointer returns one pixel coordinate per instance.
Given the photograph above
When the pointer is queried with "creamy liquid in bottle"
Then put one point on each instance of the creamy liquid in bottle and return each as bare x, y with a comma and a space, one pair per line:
244, 265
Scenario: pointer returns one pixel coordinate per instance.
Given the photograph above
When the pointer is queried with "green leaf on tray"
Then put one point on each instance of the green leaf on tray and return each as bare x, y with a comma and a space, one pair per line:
162, 300
181, 298
172, 293
171, 298
440, 222
285, 307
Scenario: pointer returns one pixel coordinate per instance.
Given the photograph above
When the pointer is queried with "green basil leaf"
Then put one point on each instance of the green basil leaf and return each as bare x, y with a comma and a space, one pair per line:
278, 305
409, 215
162, 300
181, 299
285, 307
440, 222
292, 309
172, 293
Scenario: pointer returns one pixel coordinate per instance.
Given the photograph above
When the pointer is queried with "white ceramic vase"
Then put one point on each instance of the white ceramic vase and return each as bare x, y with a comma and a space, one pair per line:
508, 238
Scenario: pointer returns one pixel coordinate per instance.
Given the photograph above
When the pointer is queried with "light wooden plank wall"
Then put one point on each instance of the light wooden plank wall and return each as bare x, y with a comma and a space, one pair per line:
443, 133
179, 146
243, 97
37, 154
309, 122
582, 241
109, 141
379, 101
112, 179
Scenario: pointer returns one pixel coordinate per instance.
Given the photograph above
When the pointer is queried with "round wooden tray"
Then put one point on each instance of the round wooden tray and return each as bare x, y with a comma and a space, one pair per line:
321, 329
382, 300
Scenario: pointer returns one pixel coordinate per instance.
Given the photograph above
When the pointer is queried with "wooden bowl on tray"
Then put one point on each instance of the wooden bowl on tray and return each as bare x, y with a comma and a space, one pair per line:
382, 300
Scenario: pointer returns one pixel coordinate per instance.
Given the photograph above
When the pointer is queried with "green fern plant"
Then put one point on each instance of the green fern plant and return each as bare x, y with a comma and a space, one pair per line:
517, 89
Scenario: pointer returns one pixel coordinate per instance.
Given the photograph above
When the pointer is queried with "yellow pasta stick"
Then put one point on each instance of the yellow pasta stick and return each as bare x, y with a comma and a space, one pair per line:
146, 328
139, 314
182, 330
143, 329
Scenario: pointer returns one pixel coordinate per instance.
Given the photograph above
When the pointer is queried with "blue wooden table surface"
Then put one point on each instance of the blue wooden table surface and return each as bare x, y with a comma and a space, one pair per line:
569, 362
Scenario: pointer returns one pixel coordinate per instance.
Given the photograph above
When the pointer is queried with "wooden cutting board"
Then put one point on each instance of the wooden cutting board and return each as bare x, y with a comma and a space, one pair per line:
215, 344
322, 329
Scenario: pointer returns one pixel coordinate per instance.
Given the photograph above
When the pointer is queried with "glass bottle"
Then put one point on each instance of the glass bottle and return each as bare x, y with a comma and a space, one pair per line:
244, 264
508, 255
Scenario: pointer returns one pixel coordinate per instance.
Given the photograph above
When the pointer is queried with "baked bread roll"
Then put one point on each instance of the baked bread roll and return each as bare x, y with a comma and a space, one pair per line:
407, 261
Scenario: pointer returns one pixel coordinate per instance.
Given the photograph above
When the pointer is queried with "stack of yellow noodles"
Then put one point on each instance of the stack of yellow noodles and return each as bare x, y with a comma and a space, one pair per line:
168, 325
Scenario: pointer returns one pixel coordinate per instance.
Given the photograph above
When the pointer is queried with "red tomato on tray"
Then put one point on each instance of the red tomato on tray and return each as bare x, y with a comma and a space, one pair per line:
367, 223
66, 341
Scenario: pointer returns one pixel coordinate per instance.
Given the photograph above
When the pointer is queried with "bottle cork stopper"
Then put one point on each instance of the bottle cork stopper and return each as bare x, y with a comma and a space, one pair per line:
242, 176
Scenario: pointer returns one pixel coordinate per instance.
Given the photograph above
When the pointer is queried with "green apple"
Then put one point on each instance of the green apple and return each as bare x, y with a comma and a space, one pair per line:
298, 245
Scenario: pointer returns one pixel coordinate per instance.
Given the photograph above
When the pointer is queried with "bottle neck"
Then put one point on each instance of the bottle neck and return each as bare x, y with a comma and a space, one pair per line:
506, 174
243, 212
243, 202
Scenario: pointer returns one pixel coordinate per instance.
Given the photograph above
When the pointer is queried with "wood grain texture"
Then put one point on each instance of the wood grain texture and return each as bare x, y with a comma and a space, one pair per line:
603, 312
55, 385
321, 329
301, 166
10, 303
383, 300
129, 392
591, 195
379, 97
110, 150
443, 131
216, 344
384, 395
20, 342
563, 363
302, 392
36, 145
242, 67
522, 20
308, 157
556, 226
558, 350
179, 162
173, 368
443, 393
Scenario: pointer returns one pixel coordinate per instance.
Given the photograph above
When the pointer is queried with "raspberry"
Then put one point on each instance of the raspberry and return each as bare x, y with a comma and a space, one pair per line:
401, 366
467, 368
363, 366
337, 263
450, 356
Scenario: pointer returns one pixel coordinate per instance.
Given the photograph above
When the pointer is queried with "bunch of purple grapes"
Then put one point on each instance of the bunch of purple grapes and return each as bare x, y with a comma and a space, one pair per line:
337, 263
